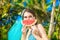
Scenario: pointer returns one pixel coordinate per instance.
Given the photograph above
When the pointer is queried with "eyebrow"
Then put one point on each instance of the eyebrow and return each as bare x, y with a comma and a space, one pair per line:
30, 15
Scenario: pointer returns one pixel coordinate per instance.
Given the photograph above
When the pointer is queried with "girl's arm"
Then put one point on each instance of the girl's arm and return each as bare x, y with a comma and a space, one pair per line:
23, 33
23, 37
42, 32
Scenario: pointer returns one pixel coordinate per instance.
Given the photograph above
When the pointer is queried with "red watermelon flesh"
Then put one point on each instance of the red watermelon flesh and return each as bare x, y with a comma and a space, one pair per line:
28, 22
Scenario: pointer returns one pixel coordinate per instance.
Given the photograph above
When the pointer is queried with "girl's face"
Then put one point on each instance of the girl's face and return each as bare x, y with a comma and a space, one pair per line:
28, 16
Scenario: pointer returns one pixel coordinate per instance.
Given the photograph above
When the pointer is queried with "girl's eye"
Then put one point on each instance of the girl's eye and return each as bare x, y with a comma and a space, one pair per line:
25, 17
30, 16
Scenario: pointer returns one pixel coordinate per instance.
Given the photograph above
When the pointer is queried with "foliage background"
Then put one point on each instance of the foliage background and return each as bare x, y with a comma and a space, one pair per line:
10, 9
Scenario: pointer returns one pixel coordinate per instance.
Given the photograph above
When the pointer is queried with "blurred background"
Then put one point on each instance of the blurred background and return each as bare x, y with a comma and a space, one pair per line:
47, 11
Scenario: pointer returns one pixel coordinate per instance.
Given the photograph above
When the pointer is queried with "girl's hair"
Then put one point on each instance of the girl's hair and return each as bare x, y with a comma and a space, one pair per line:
28, 10
32, 12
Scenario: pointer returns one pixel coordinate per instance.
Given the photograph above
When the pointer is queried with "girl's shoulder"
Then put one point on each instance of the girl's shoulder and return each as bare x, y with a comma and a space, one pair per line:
40, 26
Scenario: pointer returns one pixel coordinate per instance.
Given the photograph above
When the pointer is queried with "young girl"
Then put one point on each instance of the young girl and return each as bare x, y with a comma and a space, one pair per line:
33, 31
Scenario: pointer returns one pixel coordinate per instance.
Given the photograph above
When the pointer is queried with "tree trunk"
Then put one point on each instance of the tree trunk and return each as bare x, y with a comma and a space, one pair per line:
51, 27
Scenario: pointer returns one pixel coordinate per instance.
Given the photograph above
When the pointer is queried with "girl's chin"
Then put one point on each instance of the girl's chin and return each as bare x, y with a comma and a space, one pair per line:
28, 25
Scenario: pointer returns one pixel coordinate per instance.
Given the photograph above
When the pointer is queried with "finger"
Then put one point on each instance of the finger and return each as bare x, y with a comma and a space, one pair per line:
34, 27
24, 29
36, 31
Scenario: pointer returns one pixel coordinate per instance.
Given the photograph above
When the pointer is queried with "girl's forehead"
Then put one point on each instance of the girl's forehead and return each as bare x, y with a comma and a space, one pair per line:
27, 14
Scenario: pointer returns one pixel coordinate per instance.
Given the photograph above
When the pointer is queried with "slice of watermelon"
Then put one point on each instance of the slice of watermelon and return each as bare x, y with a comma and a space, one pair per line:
28, 22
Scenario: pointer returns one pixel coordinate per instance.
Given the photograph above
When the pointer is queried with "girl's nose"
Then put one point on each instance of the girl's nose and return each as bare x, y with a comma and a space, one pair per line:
28, 18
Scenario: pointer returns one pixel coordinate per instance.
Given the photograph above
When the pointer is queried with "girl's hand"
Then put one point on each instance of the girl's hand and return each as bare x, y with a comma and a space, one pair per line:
24, 33
24, 29
35, 33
